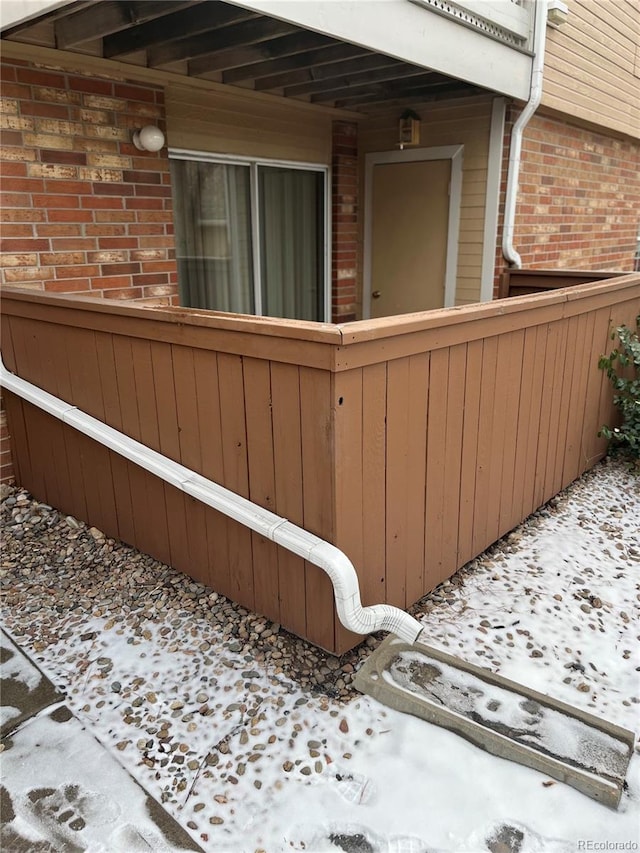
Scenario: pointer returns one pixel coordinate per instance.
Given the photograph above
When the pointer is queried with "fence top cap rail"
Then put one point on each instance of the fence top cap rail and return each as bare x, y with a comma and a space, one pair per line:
364, 330
324, 333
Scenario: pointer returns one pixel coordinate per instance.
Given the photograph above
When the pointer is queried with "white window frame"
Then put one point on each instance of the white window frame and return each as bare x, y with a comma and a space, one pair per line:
253, 163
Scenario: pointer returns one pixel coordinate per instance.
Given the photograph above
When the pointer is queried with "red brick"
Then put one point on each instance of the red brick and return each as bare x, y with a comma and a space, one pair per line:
67, 285
120, 269
17, 230
16, 169
90, 84
133, 93
114, 281
73, 244
27, 185
158, 266
117, 243
59, 230
102, 202
46, 110
35, 77
70, 158
71, 187
143, 203
141, 177
125, 293
112, 189
77, 270
58, 215
66, 201
150, 278
25, 245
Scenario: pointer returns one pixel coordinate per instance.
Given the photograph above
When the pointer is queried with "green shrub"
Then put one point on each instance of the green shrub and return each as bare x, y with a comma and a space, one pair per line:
622, 366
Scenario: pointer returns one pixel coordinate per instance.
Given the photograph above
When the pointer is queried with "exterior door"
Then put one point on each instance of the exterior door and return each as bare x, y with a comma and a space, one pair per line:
409, 229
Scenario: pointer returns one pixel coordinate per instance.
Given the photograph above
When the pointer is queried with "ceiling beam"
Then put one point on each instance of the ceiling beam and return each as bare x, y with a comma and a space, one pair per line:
192, 21
353, 59
296, 64
107, 17
234, 57
236, 35
327, 89
400, 96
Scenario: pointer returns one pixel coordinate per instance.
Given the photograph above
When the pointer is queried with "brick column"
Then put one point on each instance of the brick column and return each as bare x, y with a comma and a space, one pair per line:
344, 197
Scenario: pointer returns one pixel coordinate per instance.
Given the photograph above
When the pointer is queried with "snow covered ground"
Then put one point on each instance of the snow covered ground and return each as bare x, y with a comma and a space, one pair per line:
247, 760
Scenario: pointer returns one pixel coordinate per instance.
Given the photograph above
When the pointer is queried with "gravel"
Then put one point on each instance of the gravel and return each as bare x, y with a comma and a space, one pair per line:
197, 690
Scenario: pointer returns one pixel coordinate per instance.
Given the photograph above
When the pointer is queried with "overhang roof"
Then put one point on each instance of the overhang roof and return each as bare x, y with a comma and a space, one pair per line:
238, 46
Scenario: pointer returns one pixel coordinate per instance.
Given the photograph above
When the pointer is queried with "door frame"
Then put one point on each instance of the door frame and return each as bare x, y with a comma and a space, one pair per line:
441, 152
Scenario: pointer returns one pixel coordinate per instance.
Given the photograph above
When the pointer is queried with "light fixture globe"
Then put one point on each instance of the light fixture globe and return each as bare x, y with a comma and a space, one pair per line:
150, 138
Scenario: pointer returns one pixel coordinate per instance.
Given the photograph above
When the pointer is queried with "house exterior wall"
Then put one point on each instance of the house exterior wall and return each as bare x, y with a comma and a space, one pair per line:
579, 198
230, 123
83, 210
466, 122
592, 65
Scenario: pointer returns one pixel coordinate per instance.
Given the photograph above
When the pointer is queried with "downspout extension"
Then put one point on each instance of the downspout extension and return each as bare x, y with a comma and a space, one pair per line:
535, 96
346, 589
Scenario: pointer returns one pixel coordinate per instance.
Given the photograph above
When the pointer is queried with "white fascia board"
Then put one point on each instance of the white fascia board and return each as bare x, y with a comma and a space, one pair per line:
412, 33
14, 12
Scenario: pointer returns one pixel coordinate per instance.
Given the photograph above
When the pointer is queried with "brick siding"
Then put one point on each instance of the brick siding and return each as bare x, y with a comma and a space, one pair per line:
579, 198
344, 274
83, 210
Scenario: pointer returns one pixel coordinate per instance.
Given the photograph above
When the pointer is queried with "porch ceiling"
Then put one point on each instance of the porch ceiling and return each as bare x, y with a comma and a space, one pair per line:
223, 42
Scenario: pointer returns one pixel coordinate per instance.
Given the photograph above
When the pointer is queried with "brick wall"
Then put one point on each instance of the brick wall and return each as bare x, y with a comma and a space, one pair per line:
344, 273
83, 210
579, 198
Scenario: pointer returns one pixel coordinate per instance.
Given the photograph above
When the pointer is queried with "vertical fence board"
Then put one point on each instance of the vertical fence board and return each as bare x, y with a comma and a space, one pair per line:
24, 343
507, 518
150, 435
564, 407
112, 414
169, 443
287, 457
205, 366
374, 408
557, 408
550, 350
396, 472
415, 496
236, 475
123, 362
257, 390
593, 447
571, 461
436, 483
470, 429
316, 406
499, 435
453, 458
349, 497
527, 426
485, 428
47, 342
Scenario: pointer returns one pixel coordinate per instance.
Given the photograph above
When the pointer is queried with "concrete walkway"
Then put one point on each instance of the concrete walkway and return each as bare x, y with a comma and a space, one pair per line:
84, 799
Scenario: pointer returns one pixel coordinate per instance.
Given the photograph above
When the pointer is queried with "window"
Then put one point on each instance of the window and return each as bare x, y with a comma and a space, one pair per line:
251, 235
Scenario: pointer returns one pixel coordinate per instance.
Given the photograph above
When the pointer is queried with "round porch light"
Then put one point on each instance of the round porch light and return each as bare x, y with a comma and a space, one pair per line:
150, 138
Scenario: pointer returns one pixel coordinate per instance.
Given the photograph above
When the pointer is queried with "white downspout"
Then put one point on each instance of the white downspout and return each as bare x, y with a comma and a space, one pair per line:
535, 96
355, 617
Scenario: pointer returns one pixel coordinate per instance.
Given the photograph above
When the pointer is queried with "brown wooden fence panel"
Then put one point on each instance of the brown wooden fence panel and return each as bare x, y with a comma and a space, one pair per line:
412, 442
525, 282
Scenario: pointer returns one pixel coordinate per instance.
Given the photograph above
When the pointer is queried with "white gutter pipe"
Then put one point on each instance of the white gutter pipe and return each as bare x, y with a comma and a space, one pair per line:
535, 96
354, 617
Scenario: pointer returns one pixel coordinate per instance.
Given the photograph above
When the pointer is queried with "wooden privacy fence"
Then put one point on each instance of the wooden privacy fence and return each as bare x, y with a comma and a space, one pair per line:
412, 443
